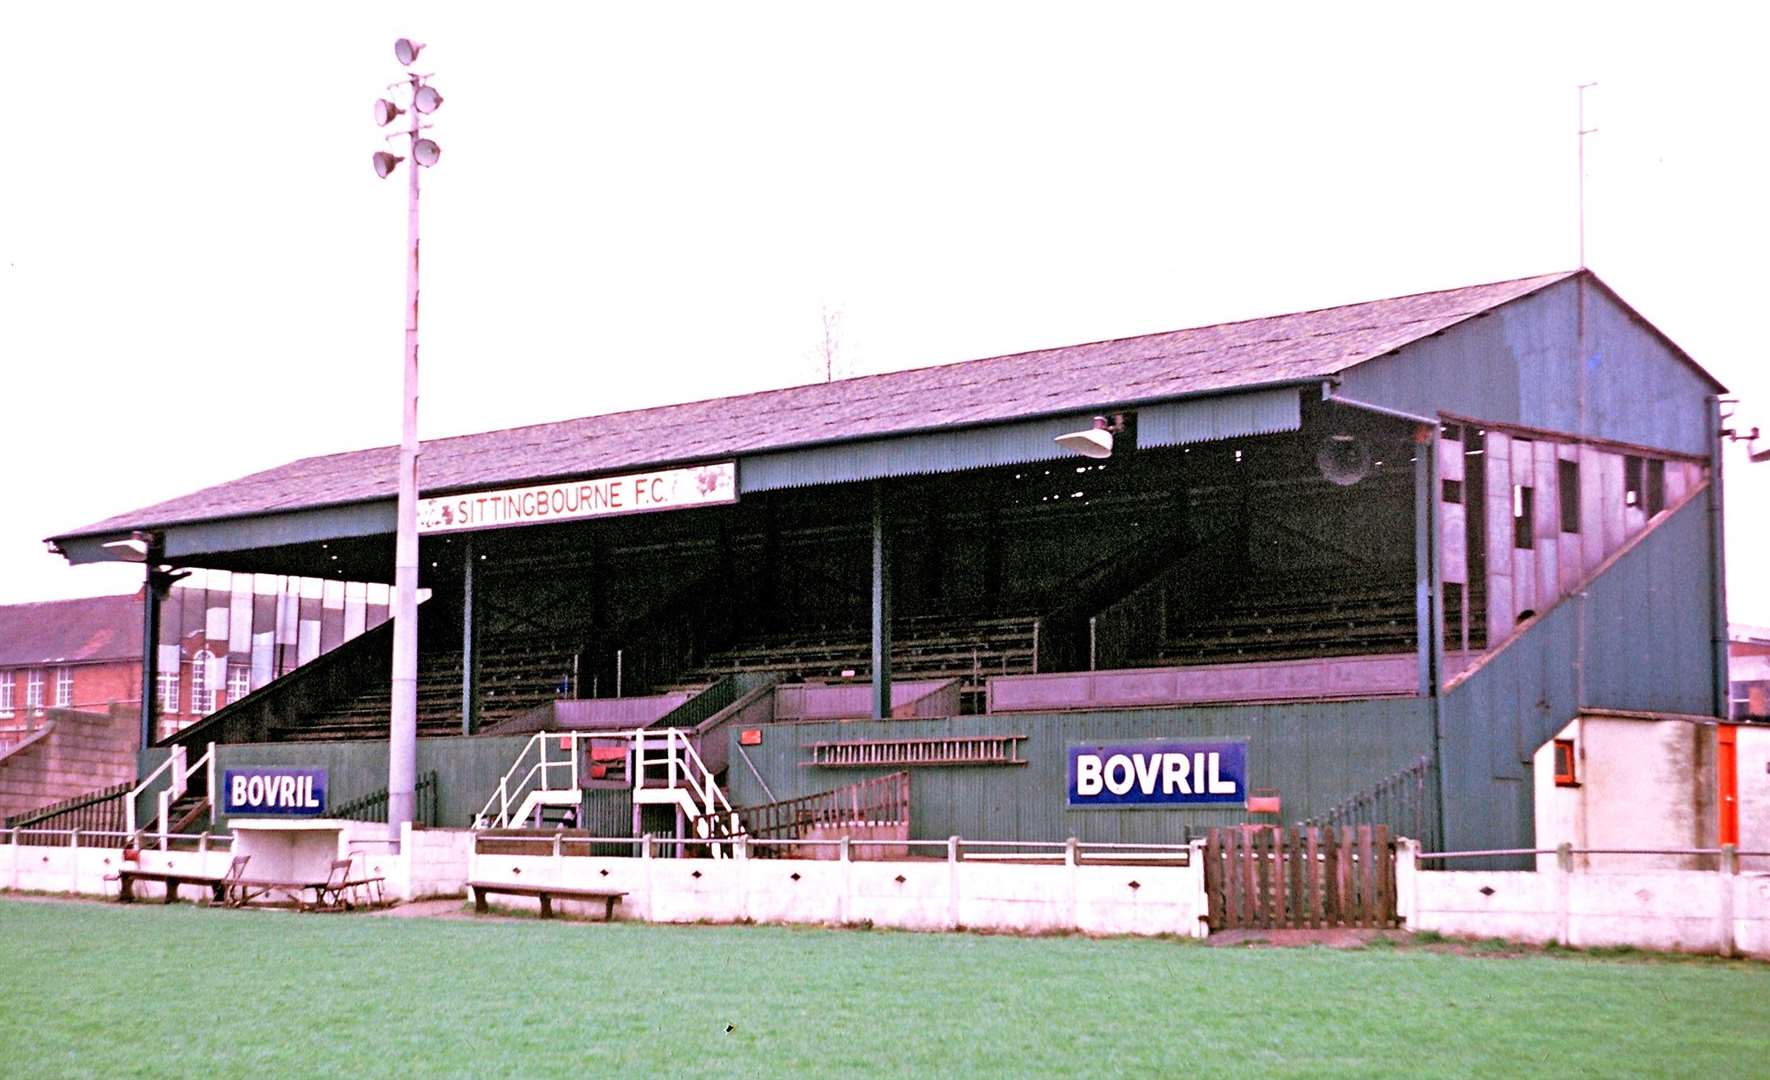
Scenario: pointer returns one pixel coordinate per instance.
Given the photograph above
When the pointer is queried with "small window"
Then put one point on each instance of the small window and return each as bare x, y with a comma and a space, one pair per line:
1452, 432
1564, 774
202, 694
1568, 489
239, 682
1656, 487
1453, 492
1523, 516
166, 682
6, 688
34, 690
64, 687
1632, 484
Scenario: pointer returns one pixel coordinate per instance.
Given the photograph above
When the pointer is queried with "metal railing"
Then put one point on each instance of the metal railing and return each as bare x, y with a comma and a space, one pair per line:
40, 837
373, 806
1405, 800
177, 770
537, 774
96, 810
567, 842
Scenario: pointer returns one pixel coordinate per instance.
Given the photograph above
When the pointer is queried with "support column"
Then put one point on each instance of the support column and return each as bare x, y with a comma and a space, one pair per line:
469, 644
1425, 509
881, 607
1717, 565
154, 587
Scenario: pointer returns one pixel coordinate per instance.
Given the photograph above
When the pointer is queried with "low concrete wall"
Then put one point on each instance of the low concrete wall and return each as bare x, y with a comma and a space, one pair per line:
927, 894
1670, 910
431, 863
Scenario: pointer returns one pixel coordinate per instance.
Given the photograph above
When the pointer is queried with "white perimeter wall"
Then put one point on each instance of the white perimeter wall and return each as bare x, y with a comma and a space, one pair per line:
922, 894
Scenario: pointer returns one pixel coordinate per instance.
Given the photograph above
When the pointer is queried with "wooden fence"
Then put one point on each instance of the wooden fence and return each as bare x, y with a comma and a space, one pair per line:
1303, 878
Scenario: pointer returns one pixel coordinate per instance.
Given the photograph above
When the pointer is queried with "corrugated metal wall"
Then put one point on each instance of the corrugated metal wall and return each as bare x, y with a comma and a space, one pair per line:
468, 770
1313, 753
1522, 365
1645, 627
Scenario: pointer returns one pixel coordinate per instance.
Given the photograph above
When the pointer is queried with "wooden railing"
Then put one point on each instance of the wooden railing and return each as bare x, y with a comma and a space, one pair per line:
881, 799
97, 811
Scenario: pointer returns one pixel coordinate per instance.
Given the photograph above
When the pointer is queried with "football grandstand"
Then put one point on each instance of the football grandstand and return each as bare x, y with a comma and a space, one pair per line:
1388, 550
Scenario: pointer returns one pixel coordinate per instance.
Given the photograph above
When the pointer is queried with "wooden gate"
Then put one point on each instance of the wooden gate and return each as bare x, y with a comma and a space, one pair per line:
1258, 877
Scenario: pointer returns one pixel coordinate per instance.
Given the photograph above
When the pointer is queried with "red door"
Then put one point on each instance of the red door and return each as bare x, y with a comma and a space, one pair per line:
1727, 771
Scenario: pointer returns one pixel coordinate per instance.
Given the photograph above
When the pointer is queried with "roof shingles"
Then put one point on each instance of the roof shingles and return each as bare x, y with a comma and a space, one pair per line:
1223, 357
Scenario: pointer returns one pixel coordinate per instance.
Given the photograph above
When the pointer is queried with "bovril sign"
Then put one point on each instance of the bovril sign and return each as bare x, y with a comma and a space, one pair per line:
1159, 774
273, 791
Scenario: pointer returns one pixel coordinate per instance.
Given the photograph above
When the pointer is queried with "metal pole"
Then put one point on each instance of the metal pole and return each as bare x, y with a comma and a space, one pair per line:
402, 743
881, 608
150, 645
1583, 132
469, 645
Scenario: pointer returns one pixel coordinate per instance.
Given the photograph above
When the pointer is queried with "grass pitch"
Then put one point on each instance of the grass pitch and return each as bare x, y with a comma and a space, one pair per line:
107, 990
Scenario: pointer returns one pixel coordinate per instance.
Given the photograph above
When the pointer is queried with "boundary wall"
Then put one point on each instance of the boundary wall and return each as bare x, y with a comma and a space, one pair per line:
909, 894
431, 862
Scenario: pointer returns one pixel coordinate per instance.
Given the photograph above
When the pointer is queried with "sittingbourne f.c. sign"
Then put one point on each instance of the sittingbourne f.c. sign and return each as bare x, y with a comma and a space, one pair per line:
573, 500
1159, 774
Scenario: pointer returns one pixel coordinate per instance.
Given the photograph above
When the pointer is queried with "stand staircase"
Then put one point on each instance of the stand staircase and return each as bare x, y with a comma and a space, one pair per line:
550, 778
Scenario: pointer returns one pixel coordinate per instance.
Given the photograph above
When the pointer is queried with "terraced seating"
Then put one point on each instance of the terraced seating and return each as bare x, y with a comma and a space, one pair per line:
515, 675
969, 649
1283, 619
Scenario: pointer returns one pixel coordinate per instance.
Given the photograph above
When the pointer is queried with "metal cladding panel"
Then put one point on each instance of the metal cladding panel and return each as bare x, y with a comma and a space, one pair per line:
1645, 625
1262, 412
1648, 621
468, 770
910, 455
1313, 754
1521, 364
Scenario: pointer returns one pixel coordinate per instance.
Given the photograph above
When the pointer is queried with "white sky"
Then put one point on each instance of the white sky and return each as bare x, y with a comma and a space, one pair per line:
201, 277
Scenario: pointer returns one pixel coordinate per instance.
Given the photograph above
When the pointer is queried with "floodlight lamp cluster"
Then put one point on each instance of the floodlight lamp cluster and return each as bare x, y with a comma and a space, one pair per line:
425, 100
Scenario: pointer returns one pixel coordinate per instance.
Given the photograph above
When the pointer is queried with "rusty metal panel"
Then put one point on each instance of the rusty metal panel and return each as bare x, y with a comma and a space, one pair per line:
1548, 523
1591, 509
1500, 612
1453, 535
1453, 528
1610, 477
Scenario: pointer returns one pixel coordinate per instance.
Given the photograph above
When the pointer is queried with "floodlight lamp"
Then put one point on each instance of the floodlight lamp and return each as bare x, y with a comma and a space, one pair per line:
1096, 442
405, 50
385, 111
133, 549
385, 162
427, 100
425, 152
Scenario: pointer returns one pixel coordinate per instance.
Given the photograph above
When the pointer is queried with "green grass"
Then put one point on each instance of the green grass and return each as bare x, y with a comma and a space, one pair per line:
107, 990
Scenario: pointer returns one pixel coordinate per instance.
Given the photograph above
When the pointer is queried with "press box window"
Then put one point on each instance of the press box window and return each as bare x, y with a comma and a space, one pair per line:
1568, 488
1564, 776
1632, 483
1656, 487
1523, 514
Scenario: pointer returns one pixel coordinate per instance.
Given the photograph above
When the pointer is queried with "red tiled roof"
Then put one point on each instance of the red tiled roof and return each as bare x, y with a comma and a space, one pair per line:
70, 631
1223, 357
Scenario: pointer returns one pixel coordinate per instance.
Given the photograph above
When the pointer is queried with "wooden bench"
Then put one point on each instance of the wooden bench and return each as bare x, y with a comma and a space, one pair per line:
127, 877
544, 893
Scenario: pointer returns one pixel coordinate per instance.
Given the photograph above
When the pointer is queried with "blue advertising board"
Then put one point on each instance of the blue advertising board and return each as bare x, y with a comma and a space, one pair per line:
273, 791
1158, 774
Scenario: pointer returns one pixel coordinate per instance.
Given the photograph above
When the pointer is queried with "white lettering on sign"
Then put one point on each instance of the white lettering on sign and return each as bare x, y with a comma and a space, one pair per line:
668, 489
1167, 774
274, 792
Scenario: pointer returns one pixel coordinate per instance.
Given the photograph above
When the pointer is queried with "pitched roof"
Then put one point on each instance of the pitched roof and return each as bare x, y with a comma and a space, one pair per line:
1125, 371
70, 631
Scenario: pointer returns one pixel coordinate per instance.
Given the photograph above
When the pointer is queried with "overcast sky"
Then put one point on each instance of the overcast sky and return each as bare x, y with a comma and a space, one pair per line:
200, 276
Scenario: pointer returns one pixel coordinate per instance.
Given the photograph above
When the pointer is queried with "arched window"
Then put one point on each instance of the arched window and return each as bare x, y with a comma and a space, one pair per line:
202, 693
